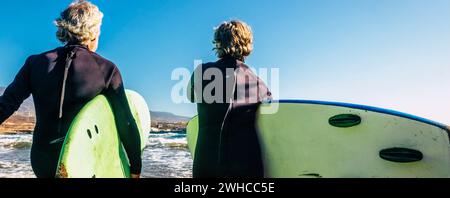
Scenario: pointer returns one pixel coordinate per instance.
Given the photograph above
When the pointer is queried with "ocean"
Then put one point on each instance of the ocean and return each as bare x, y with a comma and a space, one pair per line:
165, 156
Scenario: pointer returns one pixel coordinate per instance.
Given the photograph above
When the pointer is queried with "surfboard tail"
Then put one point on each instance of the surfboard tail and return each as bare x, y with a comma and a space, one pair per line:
92, 147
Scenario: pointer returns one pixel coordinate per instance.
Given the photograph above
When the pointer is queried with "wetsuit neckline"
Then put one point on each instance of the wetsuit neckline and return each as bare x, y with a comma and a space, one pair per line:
229, 57
76, 45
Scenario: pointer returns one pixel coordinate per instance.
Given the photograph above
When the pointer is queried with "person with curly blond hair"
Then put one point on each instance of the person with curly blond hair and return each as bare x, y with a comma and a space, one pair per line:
228, 94
62, 81
233, 39
80, 24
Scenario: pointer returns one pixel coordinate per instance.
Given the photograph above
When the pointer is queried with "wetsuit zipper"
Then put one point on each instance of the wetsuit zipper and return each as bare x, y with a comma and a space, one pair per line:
69, 59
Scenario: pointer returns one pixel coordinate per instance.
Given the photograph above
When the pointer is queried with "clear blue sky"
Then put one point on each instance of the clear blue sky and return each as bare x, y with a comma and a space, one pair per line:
388, 53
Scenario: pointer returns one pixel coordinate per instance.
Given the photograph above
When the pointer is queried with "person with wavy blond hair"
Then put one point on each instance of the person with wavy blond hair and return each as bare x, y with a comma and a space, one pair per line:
62, 81
80, 24
227, 94
234, 39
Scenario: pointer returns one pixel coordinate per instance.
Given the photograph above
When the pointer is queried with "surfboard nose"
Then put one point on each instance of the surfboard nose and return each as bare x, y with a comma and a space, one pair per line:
333, 140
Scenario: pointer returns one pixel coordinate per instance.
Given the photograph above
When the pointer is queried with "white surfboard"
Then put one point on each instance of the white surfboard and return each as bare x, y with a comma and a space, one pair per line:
324, 139
337, 140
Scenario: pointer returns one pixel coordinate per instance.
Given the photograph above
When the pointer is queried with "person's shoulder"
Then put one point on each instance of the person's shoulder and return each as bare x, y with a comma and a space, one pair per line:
102, 61
243, 66
204, 66
47, 55
208, 65
52, 51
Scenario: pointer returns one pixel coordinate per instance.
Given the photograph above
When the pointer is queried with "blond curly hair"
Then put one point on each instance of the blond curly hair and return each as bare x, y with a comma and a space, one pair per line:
79, 23
233, 38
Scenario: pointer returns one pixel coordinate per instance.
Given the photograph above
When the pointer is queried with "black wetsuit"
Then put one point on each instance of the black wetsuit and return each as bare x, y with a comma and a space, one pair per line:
89, 75
227, 144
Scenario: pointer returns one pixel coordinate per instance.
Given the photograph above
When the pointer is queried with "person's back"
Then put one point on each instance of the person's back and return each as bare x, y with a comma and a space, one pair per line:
62, 81
211, 116
89, 75
227, 94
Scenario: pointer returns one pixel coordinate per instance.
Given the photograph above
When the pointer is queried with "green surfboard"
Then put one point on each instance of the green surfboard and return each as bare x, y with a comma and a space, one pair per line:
92, 148
336, 140
192, 134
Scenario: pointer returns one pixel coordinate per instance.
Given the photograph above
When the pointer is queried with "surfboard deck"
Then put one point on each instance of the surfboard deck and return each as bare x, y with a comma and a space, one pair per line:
335, 140
192, 134
92, 147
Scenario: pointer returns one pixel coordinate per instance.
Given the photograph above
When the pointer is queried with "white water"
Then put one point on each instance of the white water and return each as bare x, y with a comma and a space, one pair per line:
166, 156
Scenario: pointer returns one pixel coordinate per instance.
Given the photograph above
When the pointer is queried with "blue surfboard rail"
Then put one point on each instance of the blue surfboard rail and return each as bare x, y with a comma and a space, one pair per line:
368, 108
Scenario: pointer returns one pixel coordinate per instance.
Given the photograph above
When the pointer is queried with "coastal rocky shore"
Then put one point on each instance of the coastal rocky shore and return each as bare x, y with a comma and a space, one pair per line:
22, 121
